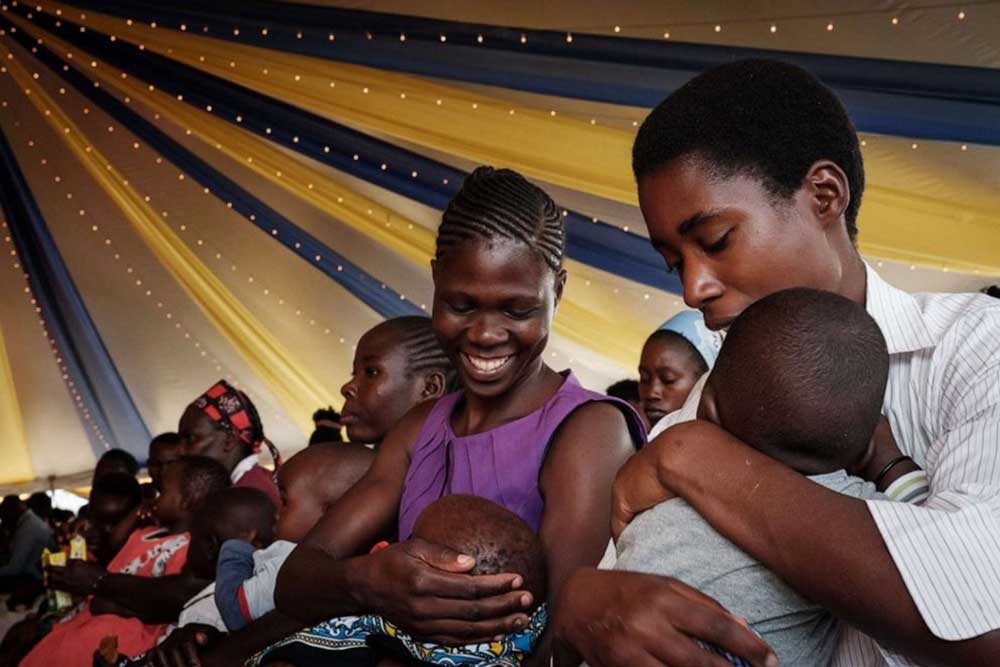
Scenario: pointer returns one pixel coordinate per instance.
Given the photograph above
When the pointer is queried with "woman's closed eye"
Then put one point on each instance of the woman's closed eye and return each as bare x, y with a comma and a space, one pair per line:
719, 244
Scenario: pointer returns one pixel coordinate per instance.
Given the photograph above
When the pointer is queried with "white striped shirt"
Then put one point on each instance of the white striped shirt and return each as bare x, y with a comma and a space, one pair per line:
943, 403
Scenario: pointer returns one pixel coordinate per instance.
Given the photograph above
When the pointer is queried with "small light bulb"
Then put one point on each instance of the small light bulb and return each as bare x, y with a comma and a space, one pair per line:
569, 38
718, 28
829, 27
618, 28
774, 28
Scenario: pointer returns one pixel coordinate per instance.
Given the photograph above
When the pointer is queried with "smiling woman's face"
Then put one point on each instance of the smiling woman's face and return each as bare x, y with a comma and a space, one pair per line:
494, 301
730, 240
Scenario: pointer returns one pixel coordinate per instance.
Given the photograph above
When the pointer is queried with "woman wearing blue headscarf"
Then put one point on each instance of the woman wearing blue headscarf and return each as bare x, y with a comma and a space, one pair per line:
674, 358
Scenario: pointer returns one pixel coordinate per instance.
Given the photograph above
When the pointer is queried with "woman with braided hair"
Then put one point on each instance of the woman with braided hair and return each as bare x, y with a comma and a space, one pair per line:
398, 364
223, 424
518, 433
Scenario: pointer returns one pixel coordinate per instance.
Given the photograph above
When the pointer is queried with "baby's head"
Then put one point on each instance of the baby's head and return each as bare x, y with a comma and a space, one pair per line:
313, 480
239, 513
801, 377
496, 537
188, 483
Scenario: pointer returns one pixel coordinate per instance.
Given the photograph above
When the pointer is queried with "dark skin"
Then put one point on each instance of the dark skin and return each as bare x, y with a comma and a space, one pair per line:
203, 437
714, 230
493, 310
106, 514
152, 600
160, 454
381, 389
313, 480
667, 373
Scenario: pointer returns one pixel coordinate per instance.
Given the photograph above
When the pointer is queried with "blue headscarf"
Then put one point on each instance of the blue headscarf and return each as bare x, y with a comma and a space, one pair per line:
691, 326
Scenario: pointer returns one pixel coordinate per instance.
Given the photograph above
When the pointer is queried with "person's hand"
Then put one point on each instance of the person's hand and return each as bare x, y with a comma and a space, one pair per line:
613, 618
77, 577
422, 587
183, 647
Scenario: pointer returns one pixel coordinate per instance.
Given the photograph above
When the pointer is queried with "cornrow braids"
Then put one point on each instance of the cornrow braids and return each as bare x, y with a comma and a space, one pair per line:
501, 202
423, 350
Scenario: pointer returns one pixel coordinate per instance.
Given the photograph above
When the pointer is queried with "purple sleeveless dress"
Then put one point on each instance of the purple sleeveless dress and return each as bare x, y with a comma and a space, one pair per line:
502, 465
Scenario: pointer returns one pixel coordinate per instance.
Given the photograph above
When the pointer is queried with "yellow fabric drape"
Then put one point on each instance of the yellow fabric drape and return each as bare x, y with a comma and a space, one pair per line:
13, 445
960, 234
290, 381
609, 334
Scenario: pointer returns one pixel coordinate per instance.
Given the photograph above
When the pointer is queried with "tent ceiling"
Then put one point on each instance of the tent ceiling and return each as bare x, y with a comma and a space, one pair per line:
164, 339
926, 30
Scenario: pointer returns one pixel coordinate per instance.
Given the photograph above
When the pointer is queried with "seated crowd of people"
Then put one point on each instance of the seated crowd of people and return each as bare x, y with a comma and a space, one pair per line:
820, 486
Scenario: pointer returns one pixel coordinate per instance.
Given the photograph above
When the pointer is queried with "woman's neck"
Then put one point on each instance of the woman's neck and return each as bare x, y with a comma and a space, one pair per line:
483, 413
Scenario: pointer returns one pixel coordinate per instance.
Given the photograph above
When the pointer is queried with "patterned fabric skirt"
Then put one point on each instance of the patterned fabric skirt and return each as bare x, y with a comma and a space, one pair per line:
350, 641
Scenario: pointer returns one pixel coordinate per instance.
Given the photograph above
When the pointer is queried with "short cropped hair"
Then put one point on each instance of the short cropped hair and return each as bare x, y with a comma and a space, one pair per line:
626, 390
801, 377
763, 118
117, 485
201, 478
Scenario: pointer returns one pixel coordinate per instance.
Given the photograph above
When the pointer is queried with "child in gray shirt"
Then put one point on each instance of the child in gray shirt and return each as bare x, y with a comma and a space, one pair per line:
800, 377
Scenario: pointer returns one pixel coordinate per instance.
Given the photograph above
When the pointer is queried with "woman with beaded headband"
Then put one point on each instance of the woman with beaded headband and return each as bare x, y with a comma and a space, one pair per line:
223, 424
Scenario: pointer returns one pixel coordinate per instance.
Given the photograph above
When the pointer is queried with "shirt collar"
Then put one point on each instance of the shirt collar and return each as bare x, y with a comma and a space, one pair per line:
898, 314
242, 468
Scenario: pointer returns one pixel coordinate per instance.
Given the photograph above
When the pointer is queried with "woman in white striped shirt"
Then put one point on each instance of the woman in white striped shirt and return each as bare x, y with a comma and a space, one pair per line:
750, 180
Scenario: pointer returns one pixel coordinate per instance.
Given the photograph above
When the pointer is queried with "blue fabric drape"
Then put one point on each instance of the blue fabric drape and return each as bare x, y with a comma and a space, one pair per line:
378, 296
918, 100
89, 367
596, 244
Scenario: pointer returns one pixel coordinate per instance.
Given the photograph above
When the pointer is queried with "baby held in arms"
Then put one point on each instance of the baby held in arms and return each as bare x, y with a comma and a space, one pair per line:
801, 378
499, 541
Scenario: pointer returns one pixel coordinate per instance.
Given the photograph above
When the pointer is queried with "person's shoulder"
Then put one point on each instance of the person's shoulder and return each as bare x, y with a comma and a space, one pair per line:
960, 317
603, 415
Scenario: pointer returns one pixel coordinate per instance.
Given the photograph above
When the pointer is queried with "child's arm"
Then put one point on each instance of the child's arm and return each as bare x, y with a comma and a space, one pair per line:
897, 476
243, 592
152, 600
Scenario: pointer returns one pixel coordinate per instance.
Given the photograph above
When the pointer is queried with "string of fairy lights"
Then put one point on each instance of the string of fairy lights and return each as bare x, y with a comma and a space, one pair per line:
131, 275
643, 294
57, 354
818, 21
615, 290
201, 242
438, 101
308, 80
142, 285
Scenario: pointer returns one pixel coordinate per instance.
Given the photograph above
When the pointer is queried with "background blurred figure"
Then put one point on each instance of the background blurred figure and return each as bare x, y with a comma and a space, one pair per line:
674, 358
628, 391
116, 460
327, 421
163, 449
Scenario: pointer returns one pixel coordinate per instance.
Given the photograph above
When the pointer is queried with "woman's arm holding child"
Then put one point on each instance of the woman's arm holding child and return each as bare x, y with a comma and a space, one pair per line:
828, 548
